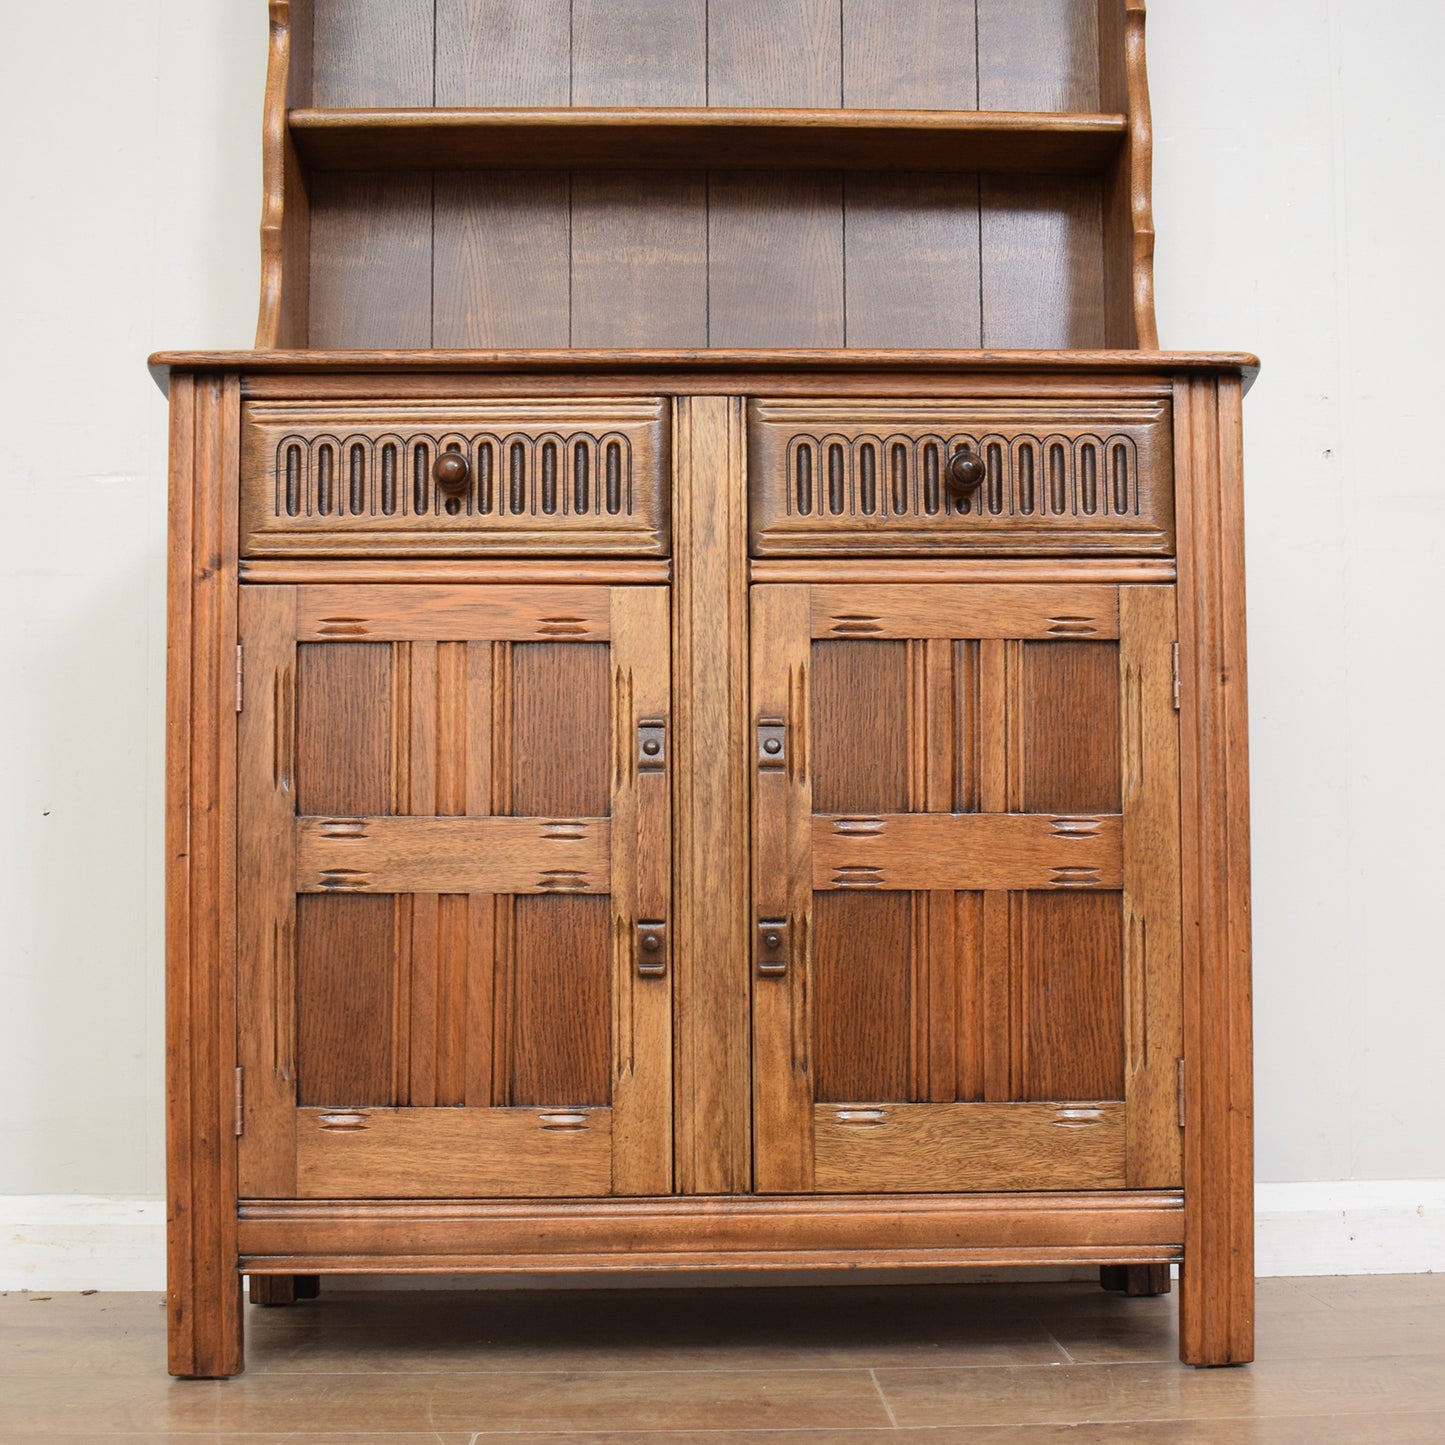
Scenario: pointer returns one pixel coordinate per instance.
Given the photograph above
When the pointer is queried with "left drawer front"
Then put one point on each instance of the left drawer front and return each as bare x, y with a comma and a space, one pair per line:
587, 477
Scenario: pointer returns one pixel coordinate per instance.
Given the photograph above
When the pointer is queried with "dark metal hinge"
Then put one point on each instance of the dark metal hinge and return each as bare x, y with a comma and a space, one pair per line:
240, 1102
1181, 1093
1178, 683
240, 677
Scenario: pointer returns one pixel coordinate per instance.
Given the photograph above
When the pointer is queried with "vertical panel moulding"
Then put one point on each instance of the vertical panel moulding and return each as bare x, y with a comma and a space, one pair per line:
422, 800
1000, 771
1150, 737
203, 1286
266, 877
971, 1017
401, 723
453, 925
1217, 1295
711, 792
481, 907
783, 1085
504, 907
641, 892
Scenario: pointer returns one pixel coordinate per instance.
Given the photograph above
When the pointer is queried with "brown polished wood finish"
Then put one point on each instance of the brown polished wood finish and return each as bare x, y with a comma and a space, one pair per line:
706, 697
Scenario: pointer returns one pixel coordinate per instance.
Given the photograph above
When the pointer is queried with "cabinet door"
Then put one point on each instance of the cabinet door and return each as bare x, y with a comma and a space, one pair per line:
454, 885
966, 960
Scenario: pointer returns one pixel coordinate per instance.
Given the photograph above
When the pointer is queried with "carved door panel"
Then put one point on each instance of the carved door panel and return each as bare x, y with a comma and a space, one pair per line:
966, 961
454, 891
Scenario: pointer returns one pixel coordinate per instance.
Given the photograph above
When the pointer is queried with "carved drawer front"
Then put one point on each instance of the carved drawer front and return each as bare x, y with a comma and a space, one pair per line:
588, 476
874, 478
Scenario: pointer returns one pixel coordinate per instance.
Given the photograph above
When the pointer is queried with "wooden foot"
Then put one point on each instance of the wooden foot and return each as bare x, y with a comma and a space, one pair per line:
1135, 1280
284, 1289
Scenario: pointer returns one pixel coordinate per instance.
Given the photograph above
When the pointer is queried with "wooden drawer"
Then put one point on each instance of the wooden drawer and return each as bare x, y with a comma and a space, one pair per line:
588, 476
868, 477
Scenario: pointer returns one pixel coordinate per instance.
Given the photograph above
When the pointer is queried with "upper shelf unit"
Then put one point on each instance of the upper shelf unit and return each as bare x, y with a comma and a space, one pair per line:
694, 173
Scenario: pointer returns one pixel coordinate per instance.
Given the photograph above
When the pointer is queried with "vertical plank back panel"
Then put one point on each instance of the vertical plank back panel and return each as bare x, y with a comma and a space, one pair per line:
371, 259
920, 56
639, 258
372, 53
1038, 55
503, 52
1043, 264
503, 249
912, 260
639, 52
776, 247
784, 53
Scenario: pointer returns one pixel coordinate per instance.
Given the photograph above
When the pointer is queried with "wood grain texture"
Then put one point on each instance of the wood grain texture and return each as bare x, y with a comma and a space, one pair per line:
863, 1031
561, 1048
775, 248
922, 56
982, 611
860, 755
371, 260
912, 259
503, 52
639, 259
561, 693
372, 52
1152, 969
334, 614
502, 268
1038, 54
429, 1153
1069, 1012
774, 53
639, 52
520, 855
285, 209
1217, 1291
344, 1002
787, 1232
642, 1112
266, 897
925, 1147
1043, 262
782, 1024
1070, 728
203, 1287
711, 794
977, 851
736, 138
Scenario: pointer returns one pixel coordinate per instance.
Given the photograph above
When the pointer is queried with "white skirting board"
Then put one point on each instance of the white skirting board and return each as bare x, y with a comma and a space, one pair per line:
76, 1242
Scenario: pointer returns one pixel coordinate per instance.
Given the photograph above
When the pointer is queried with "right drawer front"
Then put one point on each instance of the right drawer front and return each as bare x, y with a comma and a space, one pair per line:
869, 478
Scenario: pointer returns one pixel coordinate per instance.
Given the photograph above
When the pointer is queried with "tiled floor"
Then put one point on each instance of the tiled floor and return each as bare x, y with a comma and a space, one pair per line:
1355, 1359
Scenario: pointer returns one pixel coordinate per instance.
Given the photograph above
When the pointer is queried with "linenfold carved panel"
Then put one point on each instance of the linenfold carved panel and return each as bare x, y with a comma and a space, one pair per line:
872, 477
348, 480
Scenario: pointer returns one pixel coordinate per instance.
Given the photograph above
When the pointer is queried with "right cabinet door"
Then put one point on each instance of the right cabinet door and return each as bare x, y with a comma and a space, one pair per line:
966, 888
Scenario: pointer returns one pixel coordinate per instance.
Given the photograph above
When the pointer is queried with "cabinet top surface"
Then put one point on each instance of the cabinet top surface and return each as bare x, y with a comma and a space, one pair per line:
706, 362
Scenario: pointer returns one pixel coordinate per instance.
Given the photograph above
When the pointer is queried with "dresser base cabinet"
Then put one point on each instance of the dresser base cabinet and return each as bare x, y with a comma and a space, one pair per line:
646, 819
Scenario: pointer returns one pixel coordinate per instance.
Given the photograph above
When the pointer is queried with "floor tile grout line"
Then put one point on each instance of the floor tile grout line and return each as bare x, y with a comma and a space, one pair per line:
883, 1399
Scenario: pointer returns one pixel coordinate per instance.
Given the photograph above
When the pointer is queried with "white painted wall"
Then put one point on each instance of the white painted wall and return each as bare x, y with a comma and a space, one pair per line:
1297, 142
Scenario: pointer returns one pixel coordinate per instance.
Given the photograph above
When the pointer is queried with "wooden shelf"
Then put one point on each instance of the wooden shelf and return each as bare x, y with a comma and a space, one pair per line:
574, 138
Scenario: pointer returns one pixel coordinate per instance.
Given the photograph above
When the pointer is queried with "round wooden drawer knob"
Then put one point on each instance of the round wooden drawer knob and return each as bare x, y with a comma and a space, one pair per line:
967, 471
452, 471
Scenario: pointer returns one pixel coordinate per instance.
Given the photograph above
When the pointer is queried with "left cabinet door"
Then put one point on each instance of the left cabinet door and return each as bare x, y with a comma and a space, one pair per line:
454, 892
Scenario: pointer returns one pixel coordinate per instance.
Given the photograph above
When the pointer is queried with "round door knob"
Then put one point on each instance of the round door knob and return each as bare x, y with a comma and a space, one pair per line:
452, 471
967, 471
